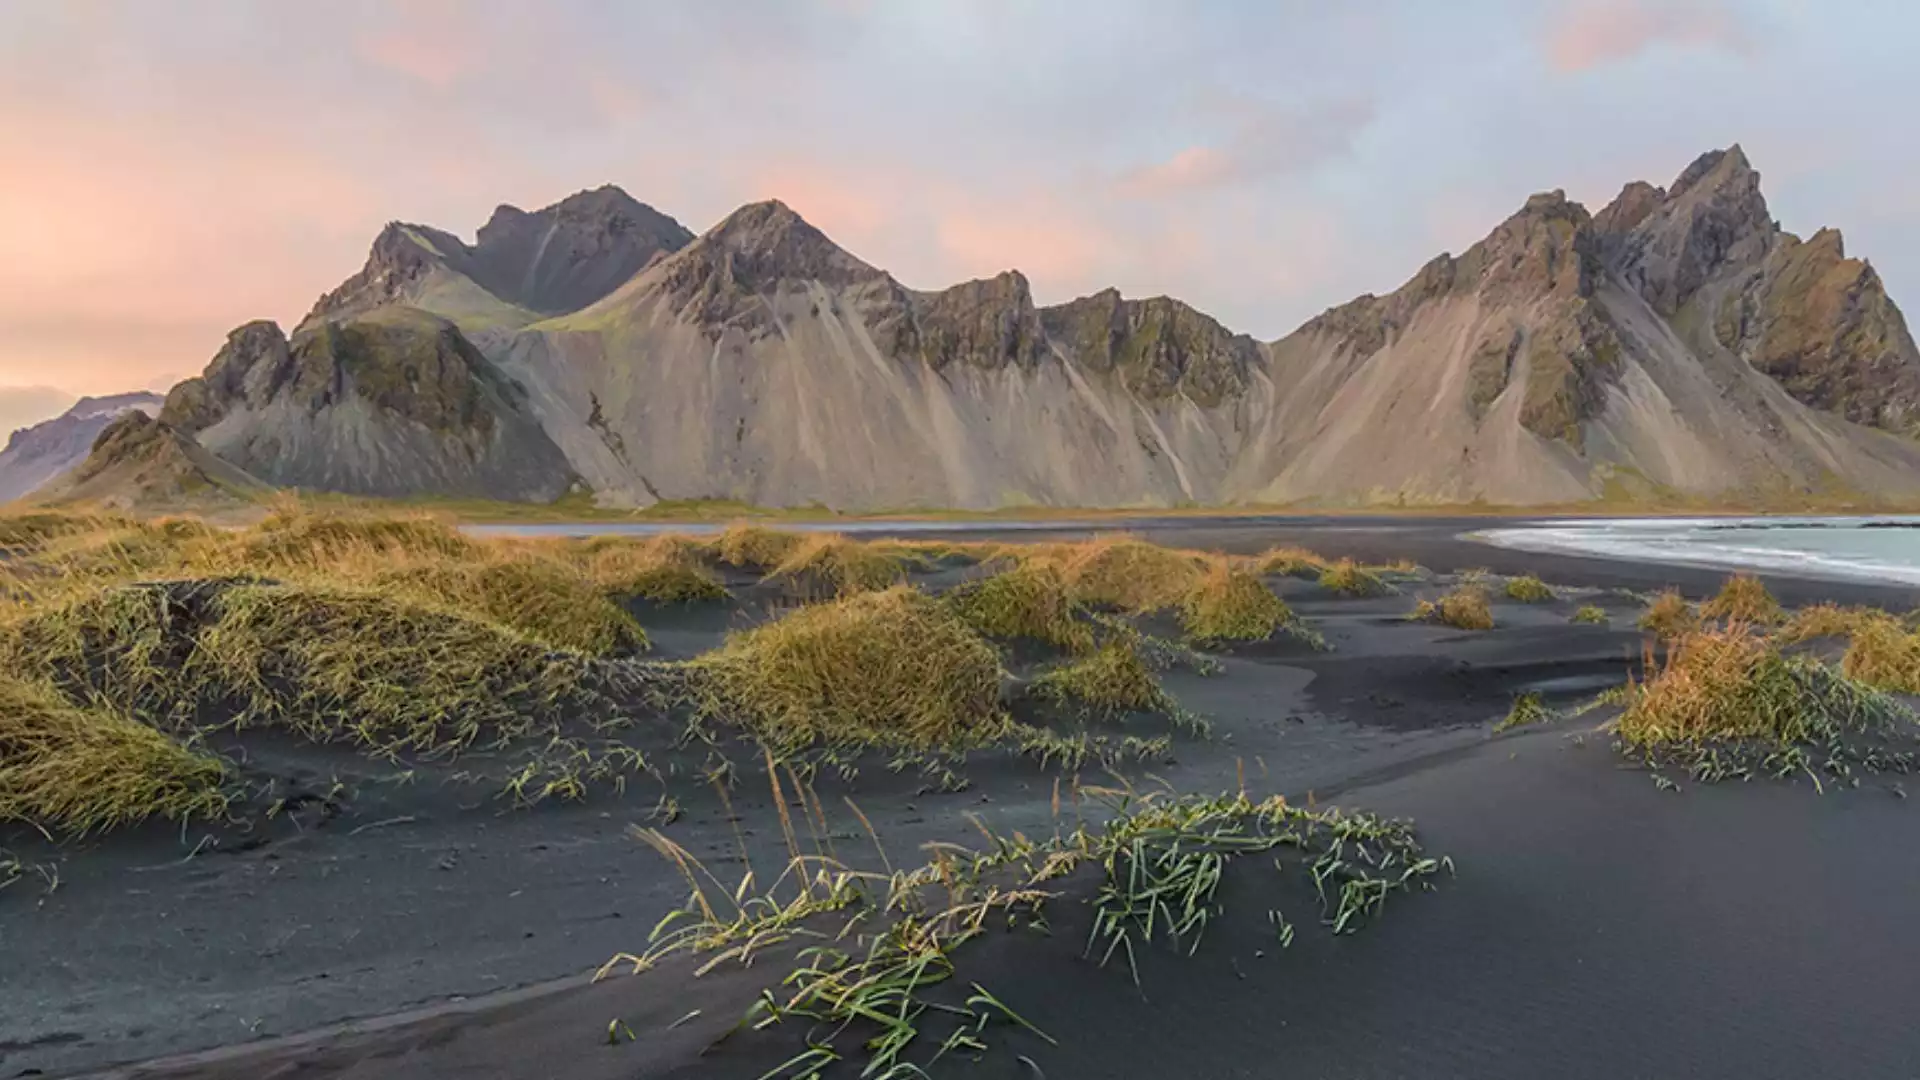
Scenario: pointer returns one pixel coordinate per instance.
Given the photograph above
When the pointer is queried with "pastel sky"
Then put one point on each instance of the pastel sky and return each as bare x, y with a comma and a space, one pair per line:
171, 168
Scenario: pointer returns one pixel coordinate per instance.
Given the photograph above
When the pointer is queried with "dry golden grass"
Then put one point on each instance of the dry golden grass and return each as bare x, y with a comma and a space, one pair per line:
1831, 620
1729, 683
332, 663
1528, 589
1669, 616
27, 530
665, 569
80, 770
1348, 578
1228, 604
1592, 614
756, 547
829, 564
1885, 655
1029, 600
1464, 608
892, 669
1743, 599
1291, 562
542, 599
1129, 574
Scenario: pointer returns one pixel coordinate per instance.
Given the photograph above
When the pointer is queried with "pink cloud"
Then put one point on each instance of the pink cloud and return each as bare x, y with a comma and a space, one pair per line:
425, 42
1267, 140
1038, 239
1594, 33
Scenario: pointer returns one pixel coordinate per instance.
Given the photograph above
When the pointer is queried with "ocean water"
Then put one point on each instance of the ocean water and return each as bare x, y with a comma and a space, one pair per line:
1882, 549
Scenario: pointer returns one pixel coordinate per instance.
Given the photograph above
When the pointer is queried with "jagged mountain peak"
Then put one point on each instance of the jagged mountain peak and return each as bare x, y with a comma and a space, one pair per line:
1717, 170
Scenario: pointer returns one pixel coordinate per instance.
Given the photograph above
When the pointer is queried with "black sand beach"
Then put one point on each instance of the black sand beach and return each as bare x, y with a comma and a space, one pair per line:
1598, 925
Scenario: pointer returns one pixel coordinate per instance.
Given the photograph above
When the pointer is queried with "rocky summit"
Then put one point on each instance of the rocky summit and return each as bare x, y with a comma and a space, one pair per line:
1678, 343
35, 455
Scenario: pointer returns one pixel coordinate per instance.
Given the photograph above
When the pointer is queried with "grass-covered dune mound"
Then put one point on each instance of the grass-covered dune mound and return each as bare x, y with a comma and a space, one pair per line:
1732, 700
890, 669
522, 664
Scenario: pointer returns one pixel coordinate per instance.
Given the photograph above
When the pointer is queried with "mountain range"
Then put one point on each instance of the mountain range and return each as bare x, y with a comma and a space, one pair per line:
1676, 343
35, 455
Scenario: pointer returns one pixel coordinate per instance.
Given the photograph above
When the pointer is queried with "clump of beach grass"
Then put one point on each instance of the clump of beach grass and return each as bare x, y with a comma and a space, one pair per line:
894, 668
542, 599
332, 663
660, 570
1029, 600
1743, 599
1528, 589
1589, 614
1228, 604
1291, 562
296, 539
829, 564
1465, 608
65, 768
1130, 574
1349, 578
1669, 616
27, 530
1830, 620
1727, 688
1116, 678
1883, 654
756, 547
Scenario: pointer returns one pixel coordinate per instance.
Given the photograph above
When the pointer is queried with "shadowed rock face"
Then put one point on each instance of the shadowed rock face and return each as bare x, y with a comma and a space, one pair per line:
570, 254
1159, 347
525, 264
1712, 219
392, 402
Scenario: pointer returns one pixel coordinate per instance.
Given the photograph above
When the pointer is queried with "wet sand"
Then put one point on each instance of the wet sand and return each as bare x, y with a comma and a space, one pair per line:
1598, 926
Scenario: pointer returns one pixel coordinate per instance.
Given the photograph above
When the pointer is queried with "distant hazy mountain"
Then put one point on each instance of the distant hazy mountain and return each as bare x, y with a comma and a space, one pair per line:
1676, 342
34, 455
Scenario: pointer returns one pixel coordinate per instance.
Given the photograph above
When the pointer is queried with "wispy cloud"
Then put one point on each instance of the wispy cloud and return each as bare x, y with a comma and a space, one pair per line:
1595, 33
1266, 141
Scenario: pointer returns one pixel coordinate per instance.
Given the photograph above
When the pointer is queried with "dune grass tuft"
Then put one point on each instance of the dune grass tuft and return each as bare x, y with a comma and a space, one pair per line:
1291, 562
298, 539
1884, 654
1669, 616
1465, 608
828, 565
1590, 614
1832, 621
1728, 684
1114, 679
661, 570
1529, 589
80, 770
1129, 574
1228, 604
1029, 600
893, 668
756, 547
331, 663
1348, 578
1528, 709
27, 530
1743, 599
542, 599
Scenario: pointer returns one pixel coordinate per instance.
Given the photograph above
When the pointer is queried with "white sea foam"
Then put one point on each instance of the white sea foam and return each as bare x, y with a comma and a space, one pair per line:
1880, 549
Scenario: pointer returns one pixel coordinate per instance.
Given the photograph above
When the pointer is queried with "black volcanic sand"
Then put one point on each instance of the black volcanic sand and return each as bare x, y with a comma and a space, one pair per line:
1597, 926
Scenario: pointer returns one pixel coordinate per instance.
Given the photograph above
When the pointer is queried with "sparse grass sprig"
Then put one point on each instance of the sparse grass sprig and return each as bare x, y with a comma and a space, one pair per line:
1528, 709
1589, 614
